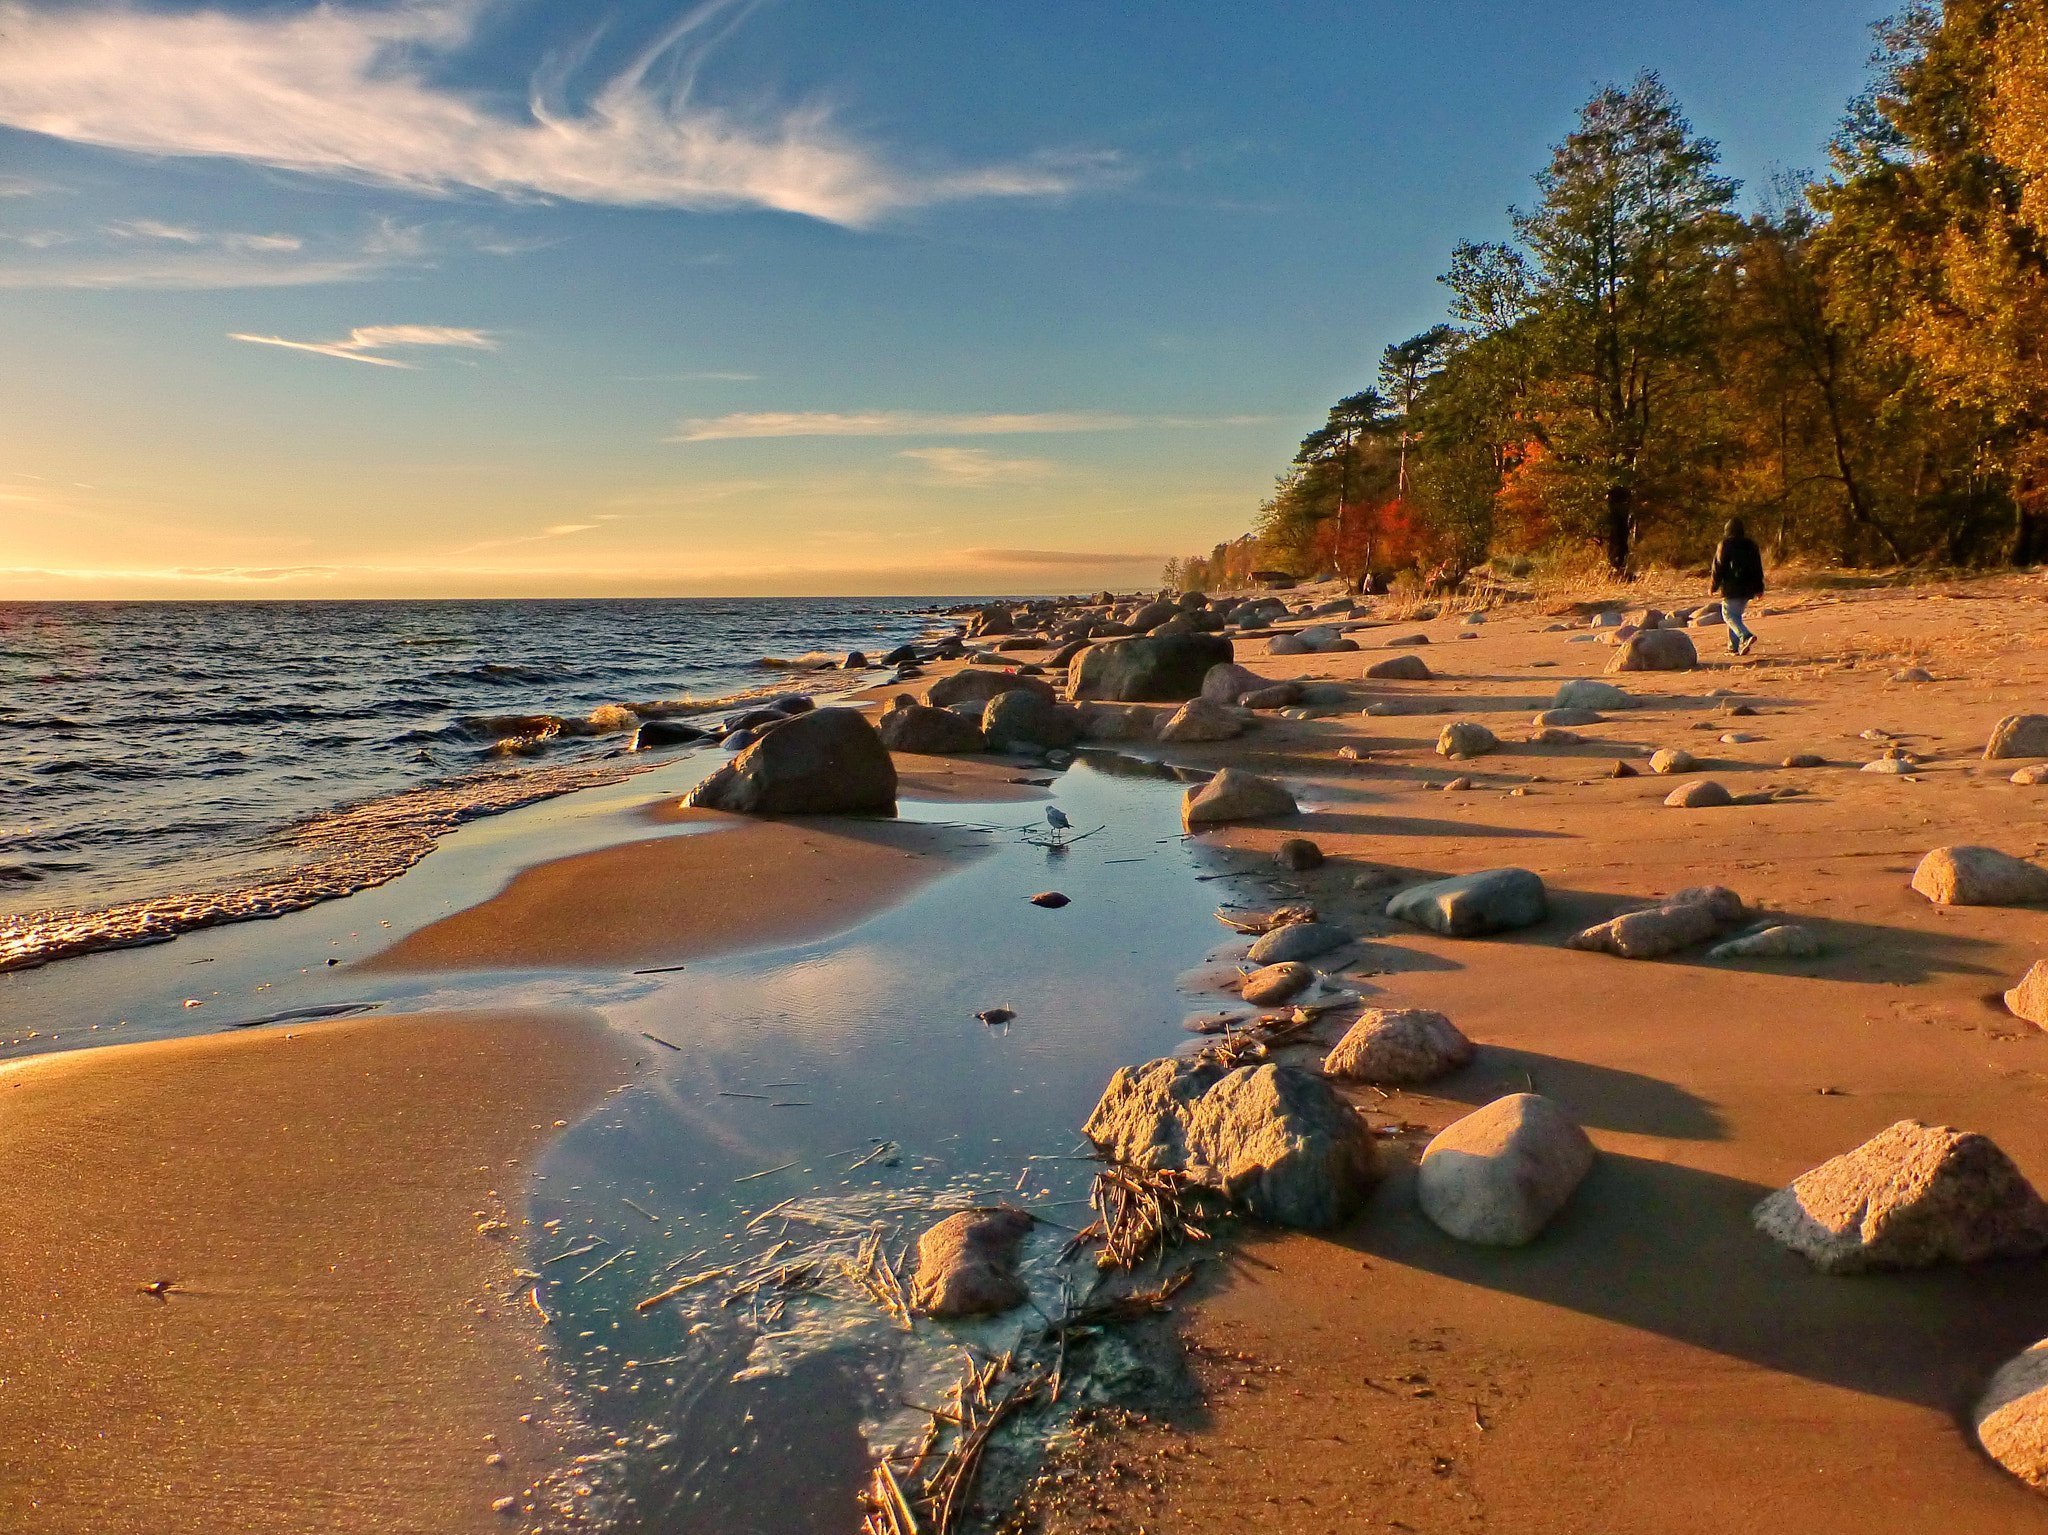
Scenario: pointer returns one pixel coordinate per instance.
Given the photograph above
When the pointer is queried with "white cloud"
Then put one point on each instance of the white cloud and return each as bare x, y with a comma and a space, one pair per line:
919, 423
364, 342
145, 253
977, 466
348, 91
152, 229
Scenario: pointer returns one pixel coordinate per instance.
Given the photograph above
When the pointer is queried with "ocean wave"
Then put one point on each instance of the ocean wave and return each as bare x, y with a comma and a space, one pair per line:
338, 854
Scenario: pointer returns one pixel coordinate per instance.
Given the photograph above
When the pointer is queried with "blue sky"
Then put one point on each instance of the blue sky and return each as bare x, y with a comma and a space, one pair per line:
476, 296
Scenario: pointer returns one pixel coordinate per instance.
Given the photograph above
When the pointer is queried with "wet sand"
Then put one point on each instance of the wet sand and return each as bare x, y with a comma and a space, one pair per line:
741, 883
339, 1208
1651, 1363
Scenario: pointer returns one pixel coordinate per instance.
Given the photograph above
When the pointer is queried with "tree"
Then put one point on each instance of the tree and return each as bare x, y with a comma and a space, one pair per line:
1405, 367
1622, 251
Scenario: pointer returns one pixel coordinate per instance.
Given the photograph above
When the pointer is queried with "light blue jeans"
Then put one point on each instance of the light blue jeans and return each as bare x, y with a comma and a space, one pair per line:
1738, 632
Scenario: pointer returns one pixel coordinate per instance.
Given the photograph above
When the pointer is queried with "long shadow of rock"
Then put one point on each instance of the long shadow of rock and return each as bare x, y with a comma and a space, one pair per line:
1598, 1096
1336, 822
1670, 1250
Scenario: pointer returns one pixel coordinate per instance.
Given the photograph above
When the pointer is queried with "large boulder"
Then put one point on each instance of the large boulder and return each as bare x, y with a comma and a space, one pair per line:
1153, 614
1470, 905
1409, 668
2011, 1418
1166, 668
1116, 722
1227, 683
1979, 876
2019, 735
915, 727
1202, 719
1498, 1175
1405, 1045
1273, 1139
1700, 794
1235, 795
1022, 717
1909, 1197
829, 762
1589, 693
978, 684
1466, 738
1690, 917
1655, 650
967, 1263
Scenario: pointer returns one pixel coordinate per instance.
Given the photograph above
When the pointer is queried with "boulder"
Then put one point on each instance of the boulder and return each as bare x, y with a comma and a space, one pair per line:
1567, 718
1298, 854
1280, 695
655, 733
1297, 941
1689, 917
1470, 905
1655, 650
1148, 669
1909, 1197
1200, 719
978, 684
828, 762
1500, 1174
1287, 645
1552, 736
1235, 795
1673, 759
1406, 1045
1273, 1139
967, 1263
1781, 940
991, 620
1589, 693
2019, 735
2011, 1418
1116, 722
1227, 683
1896, 767
915, 727
1278, 981
1806, 760
1153, 614
2032, 774
1400, 669
1023, 717
1466, 738
2029, 999
1979, 876
1404, 641
1700, 794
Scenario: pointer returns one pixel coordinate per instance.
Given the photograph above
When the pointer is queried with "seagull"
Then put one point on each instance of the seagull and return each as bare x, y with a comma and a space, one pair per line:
1056, 818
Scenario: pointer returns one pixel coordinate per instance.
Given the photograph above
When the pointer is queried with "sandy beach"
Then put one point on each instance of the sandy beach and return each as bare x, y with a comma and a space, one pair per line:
345, 1333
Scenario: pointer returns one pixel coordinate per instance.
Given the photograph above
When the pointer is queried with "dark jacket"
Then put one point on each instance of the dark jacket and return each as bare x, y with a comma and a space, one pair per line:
1738, 569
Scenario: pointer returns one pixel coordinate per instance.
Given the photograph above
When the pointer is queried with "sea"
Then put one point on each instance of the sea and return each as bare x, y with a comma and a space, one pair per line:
168, 765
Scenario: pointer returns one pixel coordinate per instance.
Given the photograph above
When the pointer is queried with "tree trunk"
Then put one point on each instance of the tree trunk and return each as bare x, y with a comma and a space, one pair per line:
1620, 527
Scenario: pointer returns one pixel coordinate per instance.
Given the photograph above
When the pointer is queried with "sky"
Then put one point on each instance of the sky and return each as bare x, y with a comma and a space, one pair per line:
587, 297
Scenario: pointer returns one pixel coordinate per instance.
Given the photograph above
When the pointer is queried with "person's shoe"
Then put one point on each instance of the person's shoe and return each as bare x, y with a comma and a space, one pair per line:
1748, 644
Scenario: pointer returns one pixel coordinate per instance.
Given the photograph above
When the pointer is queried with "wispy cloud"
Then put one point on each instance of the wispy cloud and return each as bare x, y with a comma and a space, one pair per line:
352, 92
977, 466
144, 253
364, 343
1049, 558
922, 423
24, 186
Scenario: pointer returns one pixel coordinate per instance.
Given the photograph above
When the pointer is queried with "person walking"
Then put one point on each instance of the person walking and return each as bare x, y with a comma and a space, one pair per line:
1738, 577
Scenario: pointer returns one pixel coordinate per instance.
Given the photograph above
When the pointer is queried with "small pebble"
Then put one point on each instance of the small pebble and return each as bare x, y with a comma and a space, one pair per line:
1049, 898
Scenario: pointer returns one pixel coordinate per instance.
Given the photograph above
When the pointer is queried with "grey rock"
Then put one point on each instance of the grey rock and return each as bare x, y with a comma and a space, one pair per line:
657, 733
1023, 718
1567, 718
1690, 917
1470, 905
1297, 941
2019, 735
1408, 1045
1287, 645
1227, 683
915, 727
1235, 795
1166, 668
978, 684
1280, 695
1116, 722
1499, 1175
1278, 981
1466, 738
1589, 693
1655, 650
1273, 1139
1298, 854
1400, 669
1911, 1196
1406, 641
829, 762
967, 1263
1700, 794
1979, 876
1201, 719
1783, 940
